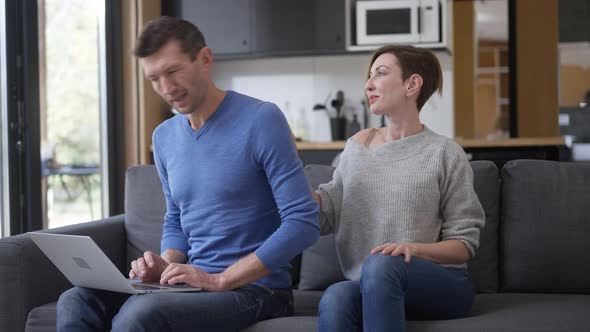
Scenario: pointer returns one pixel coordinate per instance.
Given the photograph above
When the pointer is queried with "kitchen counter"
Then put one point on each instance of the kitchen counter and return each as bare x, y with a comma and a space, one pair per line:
498, 151
465, 143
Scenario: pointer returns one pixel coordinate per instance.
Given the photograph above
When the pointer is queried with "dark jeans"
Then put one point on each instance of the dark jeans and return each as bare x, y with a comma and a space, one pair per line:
84, 309
390, 290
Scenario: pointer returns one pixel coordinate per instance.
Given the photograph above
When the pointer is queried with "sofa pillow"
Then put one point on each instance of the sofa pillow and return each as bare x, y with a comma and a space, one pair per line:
145, 207
320, 267
318, 174
545, 227
483, 267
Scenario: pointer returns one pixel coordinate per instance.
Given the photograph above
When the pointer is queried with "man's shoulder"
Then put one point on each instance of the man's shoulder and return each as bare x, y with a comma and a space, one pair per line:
168, 125
250, 109
243, 100
259, 110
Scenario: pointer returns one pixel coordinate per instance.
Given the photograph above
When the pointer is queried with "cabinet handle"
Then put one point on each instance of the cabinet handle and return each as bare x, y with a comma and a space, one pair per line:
419, 20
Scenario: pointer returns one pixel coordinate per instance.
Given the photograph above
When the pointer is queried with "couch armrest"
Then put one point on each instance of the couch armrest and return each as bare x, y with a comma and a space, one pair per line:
28, 279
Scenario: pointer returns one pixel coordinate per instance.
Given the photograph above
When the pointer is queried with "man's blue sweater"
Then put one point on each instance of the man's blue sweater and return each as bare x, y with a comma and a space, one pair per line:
233, 187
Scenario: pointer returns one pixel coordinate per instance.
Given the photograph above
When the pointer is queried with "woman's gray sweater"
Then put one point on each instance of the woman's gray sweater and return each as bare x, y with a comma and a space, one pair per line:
416, 189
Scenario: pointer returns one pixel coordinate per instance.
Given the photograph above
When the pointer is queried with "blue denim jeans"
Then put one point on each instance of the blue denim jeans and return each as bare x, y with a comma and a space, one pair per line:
84, 309
391, 290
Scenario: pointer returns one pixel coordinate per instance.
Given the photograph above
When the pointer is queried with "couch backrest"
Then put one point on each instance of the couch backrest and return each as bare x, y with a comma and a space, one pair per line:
319, 263
145, 207
483, 267
545, 229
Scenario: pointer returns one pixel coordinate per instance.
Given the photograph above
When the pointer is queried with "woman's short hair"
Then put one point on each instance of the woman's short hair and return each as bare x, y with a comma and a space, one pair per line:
414, 60
157, 32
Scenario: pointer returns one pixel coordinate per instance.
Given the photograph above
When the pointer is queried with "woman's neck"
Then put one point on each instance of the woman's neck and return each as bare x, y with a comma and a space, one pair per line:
403, 125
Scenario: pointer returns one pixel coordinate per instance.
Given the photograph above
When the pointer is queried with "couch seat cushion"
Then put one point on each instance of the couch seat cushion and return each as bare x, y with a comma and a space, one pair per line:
306, 302
42, 318
491, 312
286, 324
516, 313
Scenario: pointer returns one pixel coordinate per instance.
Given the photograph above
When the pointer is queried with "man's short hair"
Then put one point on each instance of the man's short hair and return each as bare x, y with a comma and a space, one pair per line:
158, 32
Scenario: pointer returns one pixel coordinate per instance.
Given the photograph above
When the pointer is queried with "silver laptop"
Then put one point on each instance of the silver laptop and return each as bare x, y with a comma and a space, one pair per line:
83, 263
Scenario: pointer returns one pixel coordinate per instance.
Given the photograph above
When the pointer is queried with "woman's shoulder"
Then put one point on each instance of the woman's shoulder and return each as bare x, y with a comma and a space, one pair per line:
362, 136
444, 142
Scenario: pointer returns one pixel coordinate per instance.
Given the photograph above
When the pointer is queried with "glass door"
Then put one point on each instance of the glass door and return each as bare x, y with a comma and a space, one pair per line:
71, 67
4, 215
53, 118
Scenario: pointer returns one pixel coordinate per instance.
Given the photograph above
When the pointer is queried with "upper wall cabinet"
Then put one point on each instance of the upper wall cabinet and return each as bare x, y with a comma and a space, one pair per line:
226, 24
252, 28
574, 21
284, 26
287, 27
329, 19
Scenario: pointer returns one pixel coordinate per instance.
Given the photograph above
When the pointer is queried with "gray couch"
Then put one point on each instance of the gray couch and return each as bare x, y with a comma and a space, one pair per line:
531, 271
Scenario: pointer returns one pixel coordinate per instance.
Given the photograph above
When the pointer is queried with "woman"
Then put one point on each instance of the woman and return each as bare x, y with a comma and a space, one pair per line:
402, 206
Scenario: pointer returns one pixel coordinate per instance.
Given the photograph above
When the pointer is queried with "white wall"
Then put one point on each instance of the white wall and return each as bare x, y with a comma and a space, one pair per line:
296, 84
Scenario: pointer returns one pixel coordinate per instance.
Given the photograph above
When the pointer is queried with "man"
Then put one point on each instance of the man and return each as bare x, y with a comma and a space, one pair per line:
238, 206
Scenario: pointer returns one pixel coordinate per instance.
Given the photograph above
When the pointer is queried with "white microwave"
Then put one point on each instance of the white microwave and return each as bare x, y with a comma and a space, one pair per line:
398, 21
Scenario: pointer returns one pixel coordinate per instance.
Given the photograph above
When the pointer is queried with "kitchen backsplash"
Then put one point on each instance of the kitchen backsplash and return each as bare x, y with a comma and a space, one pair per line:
296, 84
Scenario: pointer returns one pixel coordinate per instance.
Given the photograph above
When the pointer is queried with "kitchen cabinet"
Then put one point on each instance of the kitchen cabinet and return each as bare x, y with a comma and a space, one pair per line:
330, 26
574, 22
226, 24
284, 26
259, 28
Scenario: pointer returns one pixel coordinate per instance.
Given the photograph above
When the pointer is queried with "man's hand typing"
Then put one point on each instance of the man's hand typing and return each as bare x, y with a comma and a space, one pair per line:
193, 276
148, 268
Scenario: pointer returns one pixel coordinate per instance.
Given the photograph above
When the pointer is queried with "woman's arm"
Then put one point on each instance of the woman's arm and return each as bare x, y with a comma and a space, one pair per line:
329, 198
443, 252
461, 211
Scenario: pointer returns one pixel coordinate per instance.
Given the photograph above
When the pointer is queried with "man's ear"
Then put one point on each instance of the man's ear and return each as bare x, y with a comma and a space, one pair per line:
205, 57
414, 84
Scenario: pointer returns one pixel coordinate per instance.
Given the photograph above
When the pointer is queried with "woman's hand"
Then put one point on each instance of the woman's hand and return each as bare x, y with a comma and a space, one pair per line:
317, 198
395, 249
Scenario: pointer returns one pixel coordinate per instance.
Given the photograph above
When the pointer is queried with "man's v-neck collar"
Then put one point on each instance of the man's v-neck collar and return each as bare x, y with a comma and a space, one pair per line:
221, 109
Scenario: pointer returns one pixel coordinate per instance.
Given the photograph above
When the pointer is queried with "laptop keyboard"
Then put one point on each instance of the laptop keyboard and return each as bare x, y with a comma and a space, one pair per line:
145, 287
149, 287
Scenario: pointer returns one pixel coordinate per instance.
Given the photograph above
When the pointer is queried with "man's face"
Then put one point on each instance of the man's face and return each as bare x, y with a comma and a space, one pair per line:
182, 82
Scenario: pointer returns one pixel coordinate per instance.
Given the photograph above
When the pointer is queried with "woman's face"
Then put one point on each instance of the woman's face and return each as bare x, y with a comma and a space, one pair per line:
386, 91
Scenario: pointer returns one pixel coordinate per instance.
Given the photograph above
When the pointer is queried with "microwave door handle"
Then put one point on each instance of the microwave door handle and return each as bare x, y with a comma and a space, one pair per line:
419, 20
